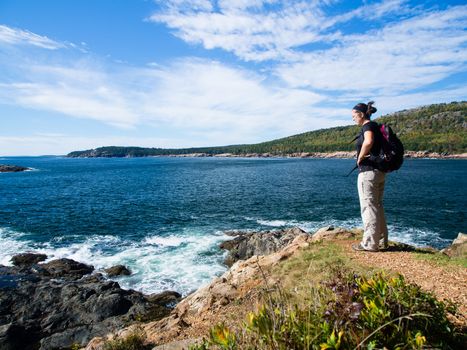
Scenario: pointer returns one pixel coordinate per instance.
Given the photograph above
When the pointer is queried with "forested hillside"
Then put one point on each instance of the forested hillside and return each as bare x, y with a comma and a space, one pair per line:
436, 128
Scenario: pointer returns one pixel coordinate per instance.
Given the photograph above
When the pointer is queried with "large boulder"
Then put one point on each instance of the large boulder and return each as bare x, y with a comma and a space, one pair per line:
458, 248
331, 232
27, 259
165, 298
117, 270
5, 168
247, 244
67, 268
58, 304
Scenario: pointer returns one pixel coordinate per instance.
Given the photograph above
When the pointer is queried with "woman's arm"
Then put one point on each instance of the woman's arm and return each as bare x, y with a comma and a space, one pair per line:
368, 140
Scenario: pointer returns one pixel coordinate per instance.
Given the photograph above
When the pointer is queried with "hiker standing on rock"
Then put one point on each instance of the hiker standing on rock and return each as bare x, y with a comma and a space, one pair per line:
370, 180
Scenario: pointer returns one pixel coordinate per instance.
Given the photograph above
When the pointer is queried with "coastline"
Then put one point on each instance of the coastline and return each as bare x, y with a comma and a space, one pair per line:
76, 292
321, 155
309, 155
265, 260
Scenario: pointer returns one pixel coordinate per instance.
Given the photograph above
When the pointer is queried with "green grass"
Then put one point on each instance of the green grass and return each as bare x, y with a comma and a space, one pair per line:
314, 264
324, 300
347, 311
441, 259
314, 259
134, 341
308, 268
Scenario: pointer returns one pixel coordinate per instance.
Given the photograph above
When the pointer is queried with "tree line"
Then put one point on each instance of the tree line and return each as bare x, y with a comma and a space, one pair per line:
436, 128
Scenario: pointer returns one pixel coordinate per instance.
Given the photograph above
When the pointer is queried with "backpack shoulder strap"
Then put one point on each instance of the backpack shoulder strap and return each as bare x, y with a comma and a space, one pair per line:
356, 137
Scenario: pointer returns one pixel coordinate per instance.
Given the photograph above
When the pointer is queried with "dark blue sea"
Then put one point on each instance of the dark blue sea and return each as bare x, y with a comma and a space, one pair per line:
164, 217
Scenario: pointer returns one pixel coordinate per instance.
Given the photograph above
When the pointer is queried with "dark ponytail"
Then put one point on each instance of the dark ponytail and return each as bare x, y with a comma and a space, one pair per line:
366, 109
370, 109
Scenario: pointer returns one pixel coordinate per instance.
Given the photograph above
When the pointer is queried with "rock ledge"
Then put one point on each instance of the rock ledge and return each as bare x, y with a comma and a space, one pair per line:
57, 304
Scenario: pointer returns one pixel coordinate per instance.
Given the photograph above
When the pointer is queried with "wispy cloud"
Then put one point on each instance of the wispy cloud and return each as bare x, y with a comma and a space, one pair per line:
418, 48
248, 30
97, 102
410, 54
83, 89
12, 36
224, 103
61, 144
212, 96
394, 102
261, 29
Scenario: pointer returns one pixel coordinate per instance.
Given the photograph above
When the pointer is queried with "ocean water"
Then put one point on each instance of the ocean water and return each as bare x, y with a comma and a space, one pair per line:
164, 217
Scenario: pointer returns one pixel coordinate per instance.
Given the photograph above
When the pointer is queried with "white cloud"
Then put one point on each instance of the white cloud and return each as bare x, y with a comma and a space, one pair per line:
61, 144
14, 36
191, 95
410, 54
61, 92
261, 29
420, 48
396, 103
210, 95
238, 27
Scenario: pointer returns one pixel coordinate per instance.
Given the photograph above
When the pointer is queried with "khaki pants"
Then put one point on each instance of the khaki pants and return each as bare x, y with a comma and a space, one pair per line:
370, 193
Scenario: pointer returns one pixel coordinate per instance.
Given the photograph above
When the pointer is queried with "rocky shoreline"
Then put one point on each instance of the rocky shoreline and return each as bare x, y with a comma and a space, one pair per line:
63, 303
249, 253
310, 155
57, 304
323, 155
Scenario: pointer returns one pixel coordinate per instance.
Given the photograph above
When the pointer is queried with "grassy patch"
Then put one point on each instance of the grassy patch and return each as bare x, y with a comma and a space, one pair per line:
324, 300
134, 341
442, 259
345, 312
314, 264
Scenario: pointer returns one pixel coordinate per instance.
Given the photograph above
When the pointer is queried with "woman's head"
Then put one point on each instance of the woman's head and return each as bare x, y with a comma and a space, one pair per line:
362, 112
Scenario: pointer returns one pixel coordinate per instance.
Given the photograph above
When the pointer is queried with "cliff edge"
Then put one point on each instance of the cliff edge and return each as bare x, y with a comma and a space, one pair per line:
293, 260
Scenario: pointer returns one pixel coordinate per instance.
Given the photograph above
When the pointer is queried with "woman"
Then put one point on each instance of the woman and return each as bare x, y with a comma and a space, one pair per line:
370, 180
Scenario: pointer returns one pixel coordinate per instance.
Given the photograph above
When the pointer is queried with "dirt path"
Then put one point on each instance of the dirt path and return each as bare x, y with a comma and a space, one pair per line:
446, 282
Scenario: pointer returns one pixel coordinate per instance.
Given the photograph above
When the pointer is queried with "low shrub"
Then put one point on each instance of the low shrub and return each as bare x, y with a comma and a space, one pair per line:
134, 341
346, 312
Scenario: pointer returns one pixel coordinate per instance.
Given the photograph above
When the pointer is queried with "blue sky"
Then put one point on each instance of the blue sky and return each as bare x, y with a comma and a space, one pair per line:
81, 74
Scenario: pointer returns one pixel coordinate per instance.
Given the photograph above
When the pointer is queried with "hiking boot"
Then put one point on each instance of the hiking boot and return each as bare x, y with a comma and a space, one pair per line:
383, 245
359, 248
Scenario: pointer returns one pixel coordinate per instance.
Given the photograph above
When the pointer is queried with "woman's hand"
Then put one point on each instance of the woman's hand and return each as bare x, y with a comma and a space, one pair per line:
360, 159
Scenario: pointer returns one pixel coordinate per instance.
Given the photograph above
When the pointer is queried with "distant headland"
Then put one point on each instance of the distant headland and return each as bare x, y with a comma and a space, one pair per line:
434, 131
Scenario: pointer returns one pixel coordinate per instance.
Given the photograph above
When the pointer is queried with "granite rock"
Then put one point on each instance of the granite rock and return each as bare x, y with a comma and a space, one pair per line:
248, 244
117, 270
4, 168
57, 304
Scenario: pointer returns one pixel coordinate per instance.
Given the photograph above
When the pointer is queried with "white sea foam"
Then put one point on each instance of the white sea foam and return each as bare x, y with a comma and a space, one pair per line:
273, 223
170, 241
417, 237
89, 251
277, 222
192, 261
12, 243
182, 261
308, 226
